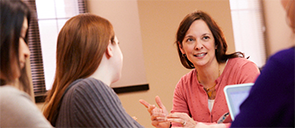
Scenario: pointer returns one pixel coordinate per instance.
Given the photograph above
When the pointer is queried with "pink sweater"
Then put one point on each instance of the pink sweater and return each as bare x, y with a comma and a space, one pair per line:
190, 97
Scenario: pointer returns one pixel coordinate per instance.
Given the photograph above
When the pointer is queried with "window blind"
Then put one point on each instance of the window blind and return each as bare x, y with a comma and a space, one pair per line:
34, 43
248, 28
36, 53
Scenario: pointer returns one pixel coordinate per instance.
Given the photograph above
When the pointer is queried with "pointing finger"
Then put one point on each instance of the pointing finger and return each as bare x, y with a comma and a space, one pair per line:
159, 102
143, 102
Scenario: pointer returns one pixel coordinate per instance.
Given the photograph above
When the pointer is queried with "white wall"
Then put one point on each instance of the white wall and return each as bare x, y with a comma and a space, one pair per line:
123, 14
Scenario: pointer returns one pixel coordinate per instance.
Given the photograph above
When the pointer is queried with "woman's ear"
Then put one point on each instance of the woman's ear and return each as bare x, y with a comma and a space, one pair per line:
180, 47
109, 51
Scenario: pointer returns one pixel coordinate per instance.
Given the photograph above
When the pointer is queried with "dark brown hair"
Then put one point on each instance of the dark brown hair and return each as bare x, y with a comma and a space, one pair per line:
81, 45
219, 38
12, 18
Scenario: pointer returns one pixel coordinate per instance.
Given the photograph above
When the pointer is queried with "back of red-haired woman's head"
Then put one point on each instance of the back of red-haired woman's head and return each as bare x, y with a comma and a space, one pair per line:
81, 45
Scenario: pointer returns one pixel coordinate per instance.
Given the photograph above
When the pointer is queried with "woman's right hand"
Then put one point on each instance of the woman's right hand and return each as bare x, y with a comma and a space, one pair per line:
158, 115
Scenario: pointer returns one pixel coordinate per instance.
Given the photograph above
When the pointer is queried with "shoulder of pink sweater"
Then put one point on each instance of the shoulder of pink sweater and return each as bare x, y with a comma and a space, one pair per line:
189, 75
238, 59
237, 62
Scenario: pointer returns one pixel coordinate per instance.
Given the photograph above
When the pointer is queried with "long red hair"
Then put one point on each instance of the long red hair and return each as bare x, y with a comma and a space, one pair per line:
81, 45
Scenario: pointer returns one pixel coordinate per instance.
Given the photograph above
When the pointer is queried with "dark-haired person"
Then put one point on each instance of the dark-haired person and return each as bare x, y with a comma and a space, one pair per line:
16, 104
88, 60
199, 94
271, 99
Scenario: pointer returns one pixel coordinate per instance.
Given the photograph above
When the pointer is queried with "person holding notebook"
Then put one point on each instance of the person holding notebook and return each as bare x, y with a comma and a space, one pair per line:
201, 46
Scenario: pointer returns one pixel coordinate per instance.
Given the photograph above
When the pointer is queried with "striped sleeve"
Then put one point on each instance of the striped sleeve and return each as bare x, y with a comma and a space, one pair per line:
97, 105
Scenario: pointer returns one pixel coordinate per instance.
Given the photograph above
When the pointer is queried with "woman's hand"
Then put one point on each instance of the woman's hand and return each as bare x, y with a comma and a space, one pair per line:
182, 118
158, 115
188, 122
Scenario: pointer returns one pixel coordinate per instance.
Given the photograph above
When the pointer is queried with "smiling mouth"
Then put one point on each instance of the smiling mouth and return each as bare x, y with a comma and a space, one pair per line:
200, 55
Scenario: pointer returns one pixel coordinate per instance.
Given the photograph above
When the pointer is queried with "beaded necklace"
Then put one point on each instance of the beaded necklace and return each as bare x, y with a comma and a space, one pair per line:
211, 91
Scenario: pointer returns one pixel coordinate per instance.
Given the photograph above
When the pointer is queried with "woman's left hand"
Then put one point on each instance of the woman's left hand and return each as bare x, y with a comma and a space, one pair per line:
181, 118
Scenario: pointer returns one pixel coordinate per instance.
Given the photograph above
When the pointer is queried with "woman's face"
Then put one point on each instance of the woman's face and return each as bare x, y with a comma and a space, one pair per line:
198, 44
118, 59
24, 52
